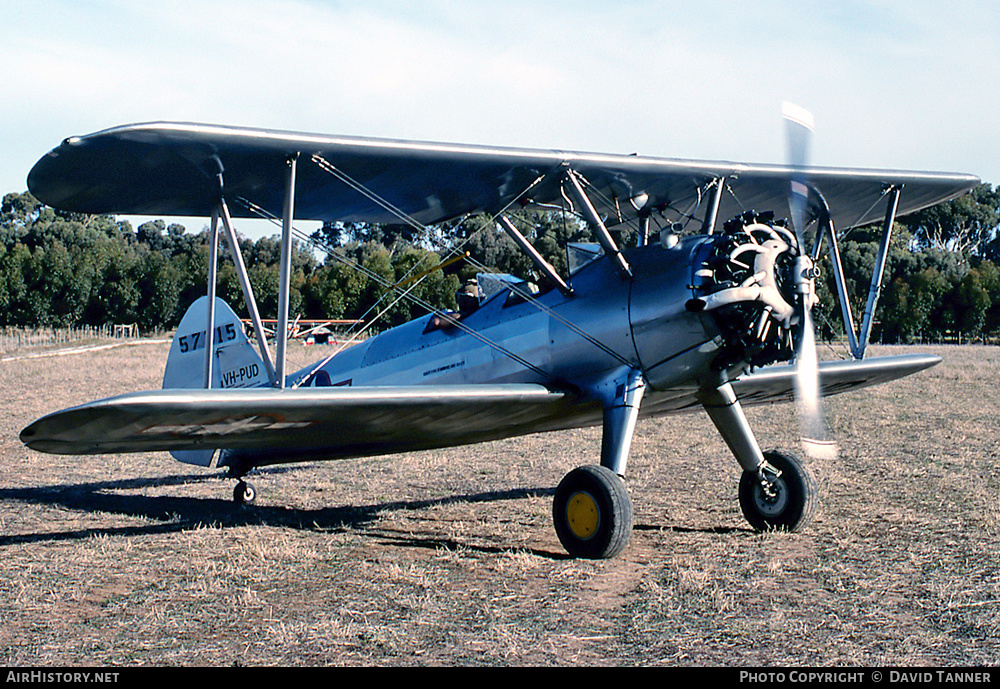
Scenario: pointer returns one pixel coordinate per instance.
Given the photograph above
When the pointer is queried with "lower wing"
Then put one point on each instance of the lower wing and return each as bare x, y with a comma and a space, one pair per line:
777, 383
358, 421
354, 421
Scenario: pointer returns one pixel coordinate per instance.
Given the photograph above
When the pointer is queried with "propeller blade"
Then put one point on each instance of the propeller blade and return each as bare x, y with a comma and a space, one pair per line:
799, 129
815, 441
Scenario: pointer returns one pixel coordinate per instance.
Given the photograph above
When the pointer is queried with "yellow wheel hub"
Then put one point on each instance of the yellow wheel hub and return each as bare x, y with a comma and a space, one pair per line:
583, 515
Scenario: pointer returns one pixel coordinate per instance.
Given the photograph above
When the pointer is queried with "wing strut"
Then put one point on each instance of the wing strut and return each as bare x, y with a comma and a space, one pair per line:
544, 266
841, 282
597, 225
241, 271
528, 297
714, 201
213, 270
859, 341
285, 272
876, 286
644, 215
275, 370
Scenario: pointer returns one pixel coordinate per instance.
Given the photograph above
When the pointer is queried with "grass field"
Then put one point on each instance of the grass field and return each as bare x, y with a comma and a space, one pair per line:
450, 558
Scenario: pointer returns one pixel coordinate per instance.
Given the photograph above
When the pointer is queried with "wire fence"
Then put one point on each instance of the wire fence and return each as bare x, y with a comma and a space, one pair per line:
13, 339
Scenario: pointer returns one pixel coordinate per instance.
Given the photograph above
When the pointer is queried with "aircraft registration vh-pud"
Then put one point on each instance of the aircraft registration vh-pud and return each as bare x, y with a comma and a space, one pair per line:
716, 316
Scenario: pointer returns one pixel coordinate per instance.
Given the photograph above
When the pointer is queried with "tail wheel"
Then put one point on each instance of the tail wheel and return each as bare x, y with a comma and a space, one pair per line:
244, 493
787, 503
592, 513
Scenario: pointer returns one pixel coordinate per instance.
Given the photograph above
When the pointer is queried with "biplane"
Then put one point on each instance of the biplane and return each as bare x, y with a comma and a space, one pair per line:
707, 308
303, 329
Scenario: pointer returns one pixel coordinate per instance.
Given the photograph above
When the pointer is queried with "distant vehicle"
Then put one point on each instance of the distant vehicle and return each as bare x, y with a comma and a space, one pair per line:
710, 319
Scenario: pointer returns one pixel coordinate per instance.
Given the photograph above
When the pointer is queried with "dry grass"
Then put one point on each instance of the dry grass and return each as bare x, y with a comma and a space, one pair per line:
449, 558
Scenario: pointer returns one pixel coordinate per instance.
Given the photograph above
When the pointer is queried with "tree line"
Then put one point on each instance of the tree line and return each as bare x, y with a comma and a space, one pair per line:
941, 278
60, 269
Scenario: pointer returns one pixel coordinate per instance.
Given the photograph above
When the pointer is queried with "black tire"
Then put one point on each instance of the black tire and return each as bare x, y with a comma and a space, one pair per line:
244, 493
794, 502
592, 513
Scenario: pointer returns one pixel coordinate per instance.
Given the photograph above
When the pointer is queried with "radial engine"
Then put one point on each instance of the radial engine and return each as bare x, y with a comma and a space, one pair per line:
755, 280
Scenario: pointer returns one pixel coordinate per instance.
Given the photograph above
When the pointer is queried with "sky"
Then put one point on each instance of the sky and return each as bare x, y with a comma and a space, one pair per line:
902, 85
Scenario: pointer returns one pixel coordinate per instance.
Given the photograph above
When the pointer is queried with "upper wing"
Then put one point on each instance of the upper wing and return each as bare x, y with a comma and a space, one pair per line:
180, 169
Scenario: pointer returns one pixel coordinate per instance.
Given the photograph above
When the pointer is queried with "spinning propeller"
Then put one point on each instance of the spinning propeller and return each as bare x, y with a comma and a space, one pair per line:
815, 440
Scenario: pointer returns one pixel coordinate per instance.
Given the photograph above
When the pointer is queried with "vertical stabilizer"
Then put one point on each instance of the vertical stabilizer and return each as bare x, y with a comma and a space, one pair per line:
236, 364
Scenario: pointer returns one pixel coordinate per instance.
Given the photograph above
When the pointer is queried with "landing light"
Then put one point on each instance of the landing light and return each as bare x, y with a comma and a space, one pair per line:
639, 201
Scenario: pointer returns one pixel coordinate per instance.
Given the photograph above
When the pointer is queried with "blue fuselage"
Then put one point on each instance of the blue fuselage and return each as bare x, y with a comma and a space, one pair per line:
607, 323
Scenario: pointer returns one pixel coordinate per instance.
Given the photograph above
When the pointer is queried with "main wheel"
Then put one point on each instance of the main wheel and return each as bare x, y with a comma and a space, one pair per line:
592, 512
790, 501
244, 493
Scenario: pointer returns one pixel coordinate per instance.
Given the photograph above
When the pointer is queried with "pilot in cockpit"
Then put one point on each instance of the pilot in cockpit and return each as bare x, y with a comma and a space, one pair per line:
468, 301
468, 298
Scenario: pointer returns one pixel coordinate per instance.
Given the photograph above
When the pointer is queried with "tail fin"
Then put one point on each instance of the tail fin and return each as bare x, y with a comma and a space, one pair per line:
235, 363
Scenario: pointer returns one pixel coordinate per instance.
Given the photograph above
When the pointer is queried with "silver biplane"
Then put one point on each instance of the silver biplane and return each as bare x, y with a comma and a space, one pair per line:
716, 319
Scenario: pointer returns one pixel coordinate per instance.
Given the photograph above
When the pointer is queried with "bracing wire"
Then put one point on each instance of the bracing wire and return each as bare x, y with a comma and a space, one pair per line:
864, 215
516, 289
390, 286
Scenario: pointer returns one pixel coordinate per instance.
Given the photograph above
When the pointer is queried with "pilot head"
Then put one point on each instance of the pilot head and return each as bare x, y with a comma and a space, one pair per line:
468, 297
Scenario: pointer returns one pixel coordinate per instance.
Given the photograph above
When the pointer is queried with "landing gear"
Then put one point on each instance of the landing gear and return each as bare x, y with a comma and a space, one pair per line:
592, 512
777, 492
780, 495
244, 493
